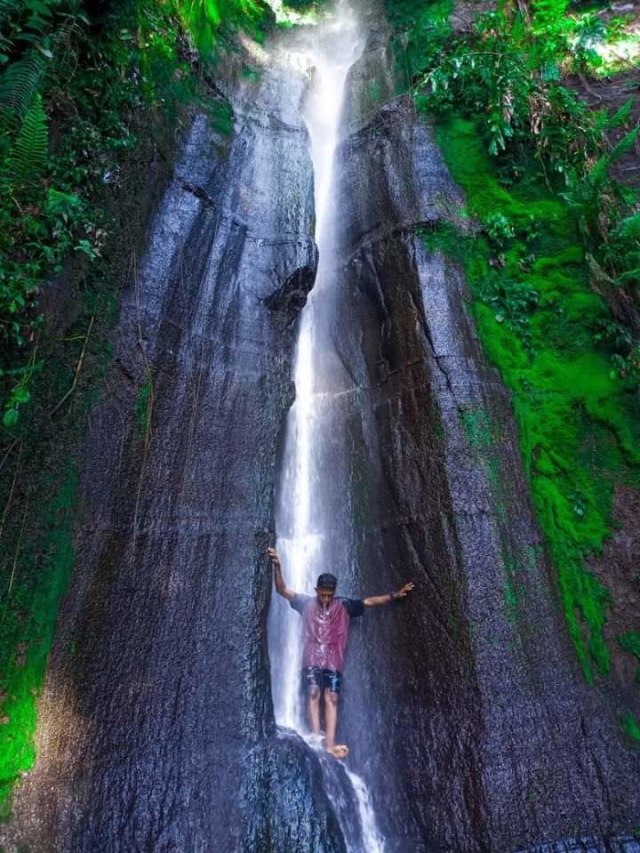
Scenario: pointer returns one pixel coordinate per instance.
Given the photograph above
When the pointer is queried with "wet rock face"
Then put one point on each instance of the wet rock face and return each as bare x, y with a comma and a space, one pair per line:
157, 730
466, 700
619, 568
463, 708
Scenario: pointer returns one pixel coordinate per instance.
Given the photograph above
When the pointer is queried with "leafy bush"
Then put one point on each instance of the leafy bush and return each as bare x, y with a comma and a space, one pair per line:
506, 74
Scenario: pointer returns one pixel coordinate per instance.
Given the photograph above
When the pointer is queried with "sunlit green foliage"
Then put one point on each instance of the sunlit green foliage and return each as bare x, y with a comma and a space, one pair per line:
203, 18
32, 615
510, 72
506, 72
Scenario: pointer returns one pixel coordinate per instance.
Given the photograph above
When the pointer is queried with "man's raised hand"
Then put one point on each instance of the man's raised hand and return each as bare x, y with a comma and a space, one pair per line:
404, 591
281, 587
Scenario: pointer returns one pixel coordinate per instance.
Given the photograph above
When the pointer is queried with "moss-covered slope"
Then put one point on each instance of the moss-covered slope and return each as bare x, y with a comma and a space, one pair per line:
535, 263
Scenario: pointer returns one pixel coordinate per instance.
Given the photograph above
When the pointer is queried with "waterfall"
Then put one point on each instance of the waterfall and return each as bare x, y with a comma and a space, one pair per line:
469, 722
307, 523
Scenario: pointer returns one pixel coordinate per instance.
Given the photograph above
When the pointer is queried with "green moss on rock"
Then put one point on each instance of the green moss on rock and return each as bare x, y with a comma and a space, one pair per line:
630, 642
631, 726
144, 403
535, 314
44, 570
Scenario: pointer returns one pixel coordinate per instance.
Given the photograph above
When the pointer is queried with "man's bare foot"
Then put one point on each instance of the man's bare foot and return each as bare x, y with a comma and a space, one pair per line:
338, 750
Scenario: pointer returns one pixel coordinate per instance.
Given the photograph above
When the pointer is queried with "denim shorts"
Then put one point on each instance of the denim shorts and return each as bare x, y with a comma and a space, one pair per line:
325, 679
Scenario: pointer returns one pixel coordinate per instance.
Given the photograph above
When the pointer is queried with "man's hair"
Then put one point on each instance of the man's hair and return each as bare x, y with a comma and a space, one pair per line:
327, 581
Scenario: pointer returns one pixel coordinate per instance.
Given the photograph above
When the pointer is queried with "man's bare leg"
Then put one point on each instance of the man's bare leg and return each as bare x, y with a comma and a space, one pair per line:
313, 708
331, 722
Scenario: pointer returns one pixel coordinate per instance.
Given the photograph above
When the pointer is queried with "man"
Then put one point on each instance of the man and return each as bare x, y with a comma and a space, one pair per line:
325, 621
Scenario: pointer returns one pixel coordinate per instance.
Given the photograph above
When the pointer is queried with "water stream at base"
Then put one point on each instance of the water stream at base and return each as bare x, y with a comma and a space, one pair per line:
307, 526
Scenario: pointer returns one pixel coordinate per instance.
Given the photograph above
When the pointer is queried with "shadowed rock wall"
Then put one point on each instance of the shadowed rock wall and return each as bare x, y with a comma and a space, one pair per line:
156, 727
466, 700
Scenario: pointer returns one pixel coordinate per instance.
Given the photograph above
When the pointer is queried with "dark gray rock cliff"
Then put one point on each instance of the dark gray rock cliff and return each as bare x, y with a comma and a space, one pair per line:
466, 700
464, 708
156, 725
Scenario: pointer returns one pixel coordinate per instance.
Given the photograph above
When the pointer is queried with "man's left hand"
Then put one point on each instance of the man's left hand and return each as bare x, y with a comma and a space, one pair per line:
404, 591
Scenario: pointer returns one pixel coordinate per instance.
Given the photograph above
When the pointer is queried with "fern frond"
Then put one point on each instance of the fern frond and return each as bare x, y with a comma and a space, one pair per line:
28, 155
630, 227
626, 144
6, 8
19, 85
622, 116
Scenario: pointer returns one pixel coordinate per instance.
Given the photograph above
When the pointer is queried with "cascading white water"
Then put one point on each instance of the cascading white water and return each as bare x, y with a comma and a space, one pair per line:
304, 523
329, 52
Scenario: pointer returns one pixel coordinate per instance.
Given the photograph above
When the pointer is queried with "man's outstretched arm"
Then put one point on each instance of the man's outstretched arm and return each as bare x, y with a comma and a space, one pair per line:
377, 600
281, 587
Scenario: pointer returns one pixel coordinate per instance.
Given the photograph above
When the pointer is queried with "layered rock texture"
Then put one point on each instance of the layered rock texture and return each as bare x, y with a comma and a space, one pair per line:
156, 726
488, 737
464, 707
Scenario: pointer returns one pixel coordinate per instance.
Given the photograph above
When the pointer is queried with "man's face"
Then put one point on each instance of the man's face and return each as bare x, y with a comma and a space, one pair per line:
324, 596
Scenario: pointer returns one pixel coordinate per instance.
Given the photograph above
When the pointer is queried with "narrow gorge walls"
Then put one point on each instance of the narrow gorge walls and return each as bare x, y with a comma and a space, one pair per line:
468, 717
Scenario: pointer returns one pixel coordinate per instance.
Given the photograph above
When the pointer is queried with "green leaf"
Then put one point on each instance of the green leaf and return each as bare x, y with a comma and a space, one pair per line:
10, 418
20, 394
38, 7
61, 203
622, 115
629, 277
625, 144
86, 248
630, 227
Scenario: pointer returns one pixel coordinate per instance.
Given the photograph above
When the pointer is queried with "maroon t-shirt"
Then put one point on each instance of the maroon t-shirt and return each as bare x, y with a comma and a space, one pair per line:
326, 630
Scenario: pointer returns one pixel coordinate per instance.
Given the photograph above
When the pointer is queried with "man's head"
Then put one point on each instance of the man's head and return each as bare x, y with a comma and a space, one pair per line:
326, 589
